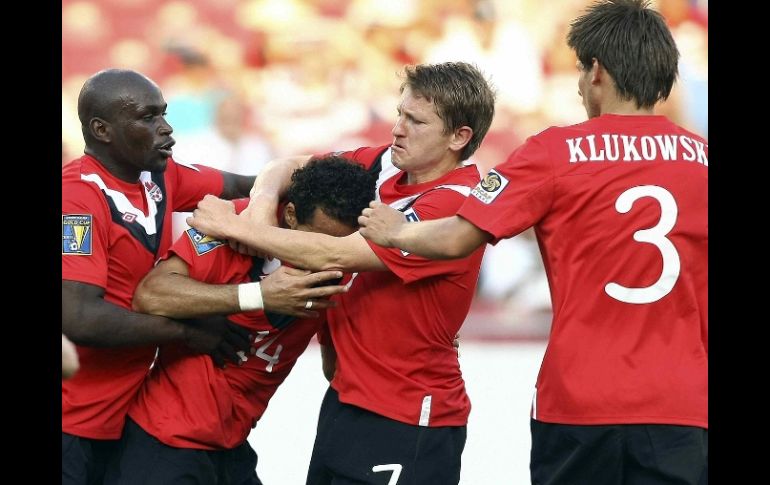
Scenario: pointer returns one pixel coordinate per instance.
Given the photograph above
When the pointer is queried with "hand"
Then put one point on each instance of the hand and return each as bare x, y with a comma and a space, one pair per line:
218, 337
380, 223
257, 212
288, 291
210, 217
69, 358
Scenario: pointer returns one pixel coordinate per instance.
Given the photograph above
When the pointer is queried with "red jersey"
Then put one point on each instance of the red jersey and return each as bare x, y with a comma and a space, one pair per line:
393, 330
112, 233
188, 402
619, 205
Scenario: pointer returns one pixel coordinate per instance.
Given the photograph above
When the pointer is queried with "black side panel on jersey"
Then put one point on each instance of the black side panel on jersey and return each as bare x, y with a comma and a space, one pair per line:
276, 320
150, 242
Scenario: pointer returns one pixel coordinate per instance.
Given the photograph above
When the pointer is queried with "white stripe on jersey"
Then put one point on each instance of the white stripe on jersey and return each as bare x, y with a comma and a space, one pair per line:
124, 205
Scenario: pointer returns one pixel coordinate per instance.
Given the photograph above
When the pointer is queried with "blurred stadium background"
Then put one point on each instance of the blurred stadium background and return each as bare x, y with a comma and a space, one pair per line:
248, 80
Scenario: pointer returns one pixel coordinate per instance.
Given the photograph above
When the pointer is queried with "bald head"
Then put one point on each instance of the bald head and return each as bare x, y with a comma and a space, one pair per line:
105, 93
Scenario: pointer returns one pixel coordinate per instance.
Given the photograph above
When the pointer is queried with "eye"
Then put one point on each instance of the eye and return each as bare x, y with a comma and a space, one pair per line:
148, 117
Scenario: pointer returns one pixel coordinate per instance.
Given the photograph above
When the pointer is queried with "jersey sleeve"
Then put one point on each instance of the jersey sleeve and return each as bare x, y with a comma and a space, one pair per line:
365, 156
207, 259
192, 183
514, 195
86, 222
435, 204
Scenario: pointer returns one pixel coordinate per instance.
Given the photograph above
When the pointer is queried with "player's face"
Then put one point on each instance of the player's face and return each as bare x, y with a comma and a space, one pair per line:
322, 223
586, 92
419, 141
141, 137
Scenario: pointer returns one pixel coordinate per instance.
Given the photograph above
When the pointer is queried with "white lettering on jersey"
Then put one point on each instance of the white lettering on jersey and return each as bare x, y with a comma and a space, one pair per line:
655, 235
635, 149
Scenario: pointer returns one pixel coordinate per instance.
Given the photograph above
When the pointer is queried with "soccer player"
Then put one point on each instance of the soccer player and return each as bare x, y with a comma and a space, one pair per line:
397, 407
117, 201
619, 204
191, 419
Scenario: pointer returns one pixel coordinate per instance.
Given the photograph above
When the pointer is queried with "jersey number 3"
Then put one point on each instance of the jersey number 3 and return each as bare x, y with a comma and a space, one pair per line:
655, 235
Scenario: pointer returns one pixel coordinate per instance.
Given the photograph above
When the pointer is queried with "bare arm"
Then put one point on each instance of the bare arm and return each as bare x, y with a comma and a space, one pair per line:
91, 321
69, 358
313, 251
446, 238
235, 185
168, 290
272, 184
87, 319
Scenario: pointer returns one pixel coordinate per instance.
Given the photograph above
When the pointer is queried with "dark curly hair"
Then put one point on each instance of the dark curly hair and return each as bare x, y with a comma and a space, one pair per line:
337, 186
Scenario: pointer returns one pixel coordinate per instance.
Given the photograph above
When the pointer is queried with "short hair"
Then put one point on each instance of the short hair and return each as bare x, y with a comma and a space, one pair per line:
103, 93
461, 94
337, 186
634, 45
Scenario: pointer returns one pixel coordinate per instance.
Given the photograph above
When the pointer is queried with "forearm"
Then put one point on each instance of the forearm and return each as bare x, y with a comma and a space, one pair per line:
178, 296
103, 324
236, 186
446, 238
274, 180
307, 250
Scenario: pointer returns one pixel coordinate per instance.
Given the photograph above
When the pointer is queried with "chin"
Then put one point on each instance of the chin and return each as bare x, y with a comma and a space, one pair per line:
159, 166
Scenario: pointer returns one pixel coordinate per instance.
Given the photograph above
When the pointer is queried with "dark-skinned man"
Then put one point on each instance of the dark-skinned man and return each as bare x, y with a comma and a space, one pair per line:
116, 220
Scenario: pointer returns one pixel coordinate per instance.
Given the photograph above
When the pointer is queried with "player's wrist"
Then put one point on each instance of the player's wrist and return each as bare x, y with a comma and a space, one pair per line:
250, 296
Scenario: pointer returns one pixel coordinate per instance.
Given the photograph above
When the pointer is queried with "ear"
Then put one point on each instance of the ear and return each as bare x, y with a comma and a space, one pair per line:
290, 215
100, 130
461, 137
597, 71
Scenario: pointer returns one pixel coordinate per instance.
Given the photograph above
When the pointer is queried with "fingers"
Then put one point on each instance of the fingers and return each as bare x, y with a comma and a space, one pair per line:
238, 337
324, 276
229, 352
323, 304
294, 271
324, 292
216, 357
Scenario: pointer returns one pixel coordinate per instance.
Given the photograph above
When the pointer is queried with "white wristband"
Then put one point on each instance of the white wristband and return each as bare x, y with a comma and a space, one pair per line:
250, 296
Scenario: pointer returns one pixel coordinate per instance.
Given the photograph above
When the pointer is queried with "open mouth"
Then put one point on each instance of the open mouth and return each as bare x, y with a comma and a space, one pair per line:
165, 149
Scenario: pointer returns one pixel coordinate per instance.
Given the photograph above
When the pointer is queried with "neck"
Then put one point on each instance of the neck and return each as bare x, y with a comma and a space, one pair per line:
432, 173
617, 107
126, 174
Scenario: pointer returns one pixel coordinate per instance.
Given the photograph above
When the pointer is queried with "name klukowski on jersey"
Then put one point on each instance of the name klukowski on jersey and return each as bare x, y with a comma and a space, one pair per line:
634, 149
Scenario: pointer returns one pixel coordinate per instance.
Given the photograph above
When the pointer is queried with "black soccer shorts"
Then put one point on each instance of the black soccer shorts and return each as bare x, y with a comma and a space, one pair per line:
143, 459
626, 454
355, 446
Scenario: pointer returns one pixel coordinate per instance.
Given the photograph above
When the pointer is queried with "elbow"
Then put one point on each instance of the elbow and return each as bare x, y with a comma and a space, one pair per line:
147, 301
456, 250
452, 247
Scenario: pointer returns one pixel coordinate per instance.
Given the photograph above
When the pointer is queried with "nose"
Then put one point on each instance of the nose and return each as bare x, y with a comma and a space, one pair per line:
164, 127
397, 128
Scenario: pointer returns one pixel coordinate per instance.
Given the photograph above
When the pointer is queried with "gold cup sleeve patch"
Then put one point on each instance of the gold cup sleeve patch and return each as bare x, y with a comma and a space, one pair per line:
76, 234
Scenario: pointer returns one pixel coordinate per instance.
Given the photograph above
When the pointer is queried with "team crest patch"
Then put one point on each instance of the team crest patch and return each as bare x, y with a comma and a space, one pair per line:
201, 242
153, 191
490, 187
76, 234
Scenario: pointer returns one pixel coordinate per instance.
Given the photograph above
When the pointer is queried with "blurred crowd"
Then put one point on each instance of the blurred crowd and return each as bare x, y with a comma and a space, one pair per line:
249, 80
